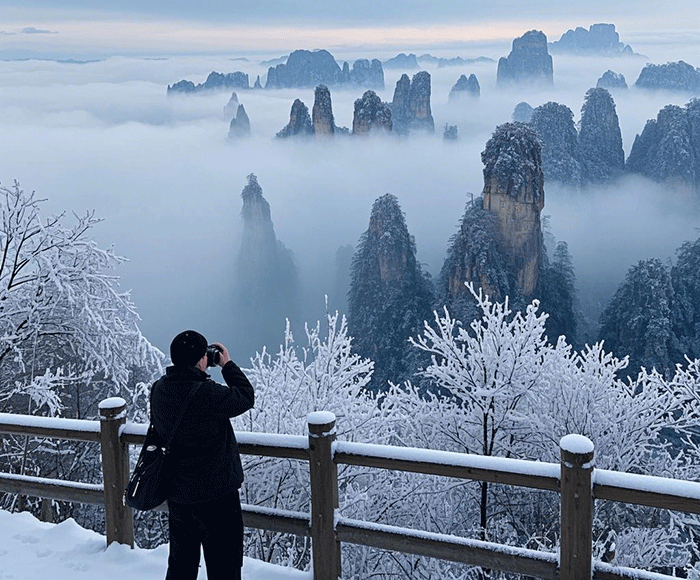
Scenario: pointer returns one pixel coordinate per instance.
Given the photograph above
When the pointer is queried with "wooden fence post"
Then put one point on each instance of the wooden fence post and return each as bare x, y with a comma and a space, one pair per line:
119, 523
323, 472
575, 556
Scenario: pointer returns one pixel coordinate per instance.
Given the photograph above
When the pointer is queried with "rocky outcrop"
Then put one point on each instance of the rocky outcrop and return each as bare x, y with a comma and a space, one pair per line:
522, 113
561, 157
450, 132
668, 149
215, 81
231, 107
410, 106
240, 124
465, 87
322, 113
266, 279
258, 84
400, 112
371, 115
611, 81
402, 61
600, 138
365, 74
599, 39
389, 297
183, 86
529, 61
305, 69
514, 190
672, 76
299, 122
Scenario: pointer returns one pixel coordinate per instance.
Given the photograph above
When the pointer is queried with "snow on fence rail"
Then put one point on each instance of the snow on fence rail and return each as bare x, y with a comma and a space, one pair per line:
578, 483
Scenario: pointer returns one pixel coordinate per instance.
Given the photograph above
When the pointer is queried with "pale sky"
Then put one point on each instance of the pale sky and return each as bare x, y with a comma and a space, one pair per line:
83, 27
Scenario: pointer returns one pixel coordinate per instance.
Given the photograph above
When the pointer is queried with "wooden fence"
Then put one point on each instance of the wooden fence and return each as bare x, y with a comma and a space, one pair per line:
575, 478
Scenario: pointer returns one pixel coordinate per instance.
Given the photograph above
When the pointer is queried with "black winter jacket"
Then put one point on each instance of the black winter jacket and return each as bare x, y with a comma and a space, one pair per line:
205, 459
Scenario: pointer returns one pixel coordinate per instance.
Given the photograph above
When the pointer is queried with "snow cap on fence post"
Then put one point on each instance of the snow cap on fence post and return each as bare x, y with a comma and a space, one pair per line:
111, 407
321, 422
575, 556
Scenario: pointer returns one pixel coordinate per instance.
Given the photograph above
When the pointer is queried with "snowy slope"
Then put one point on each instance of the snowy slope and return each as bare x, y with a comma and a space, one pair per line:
30, 549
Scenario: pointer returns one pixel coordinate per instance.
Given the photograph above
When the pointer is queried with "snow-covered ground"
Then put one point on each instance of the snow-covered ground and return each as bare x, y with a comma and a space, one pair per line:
30, 549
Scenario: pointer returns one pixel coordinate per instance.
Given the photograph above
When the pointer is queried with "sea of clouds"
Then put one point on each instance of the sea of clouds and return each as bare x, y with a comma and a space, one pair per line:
165, 178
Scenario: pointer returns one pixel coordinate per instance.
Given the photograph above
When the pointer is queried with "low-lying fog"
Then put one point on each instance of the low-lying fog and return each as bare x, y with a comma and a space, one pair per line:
165, 178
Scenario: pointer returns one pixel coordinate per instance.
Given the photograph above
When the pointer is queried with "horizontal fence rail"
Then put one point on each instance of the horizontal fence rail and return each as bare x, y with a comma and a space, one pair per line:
324, 454
532, 474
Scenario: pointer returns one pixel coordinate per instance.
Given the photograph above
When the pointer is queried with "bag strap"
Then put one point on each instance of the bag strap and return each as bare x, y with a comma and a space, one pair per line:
190, 395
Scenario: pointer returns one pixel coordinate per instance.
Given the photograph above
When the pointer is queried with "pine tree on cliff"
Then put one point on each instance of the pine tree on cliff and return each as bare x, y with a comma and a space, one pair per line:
390, 297
685, 276
600, 139
637, 322
561, 158
475, 254
266, 278
558, 296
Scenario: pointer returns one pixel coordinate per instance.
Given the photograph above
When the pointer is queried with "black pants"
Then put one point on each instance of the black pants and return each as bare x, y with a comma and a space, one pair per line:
216, 526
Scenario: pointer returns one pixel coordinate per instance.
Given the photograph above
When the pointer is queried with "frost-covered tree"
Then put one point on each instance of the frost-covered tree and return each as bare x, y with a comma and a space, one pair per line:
68, 336
491, 367
637, 322
499, 372
64, 326
514, 394
390, 296
599, 137
561, 158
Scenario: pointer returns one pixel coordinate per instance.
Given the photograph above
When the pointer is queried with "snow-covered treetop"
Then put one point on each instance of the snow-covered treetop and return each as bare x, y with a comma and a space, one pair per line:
513, 155
252, 195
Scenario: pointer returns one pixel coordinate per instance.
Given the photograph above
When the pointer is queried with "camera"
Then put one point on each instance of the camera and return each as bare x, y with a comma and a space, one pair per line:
213, 355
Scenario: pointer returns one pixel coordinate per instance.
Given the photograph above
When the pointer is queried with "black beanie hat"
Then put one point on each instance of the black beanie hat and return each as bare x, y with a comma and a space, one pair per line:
187, 348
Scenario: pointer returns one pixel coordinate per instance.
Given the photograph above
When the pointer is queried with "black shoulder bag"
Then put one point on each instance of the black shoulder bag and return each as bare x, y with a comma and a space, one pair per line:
149, 484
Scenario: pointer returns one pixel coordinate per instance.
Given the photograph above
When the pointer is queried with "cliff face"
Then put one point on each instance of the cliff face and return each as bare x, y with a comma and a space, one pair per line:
266, 278
299, 122
389, 296
366, 74
215, 81
561, 156
371, 115
410, 106
528, 61
402, 61
231, 107
611, 81
600, 138
514, 191
419, 103
599, 39
322, 113
240, 124
465, 87
305, 69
